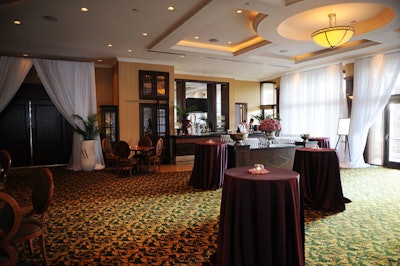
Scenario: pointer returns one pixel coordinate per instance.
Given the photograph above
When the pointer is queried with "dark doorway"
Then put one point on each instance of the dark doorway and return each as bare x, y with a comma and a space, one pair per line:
154, 122
33, 131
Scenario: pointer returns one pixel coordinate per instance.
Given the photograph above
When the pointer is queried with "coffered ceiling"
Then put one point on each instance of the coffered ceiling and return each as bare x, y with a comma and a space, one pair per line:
266, 39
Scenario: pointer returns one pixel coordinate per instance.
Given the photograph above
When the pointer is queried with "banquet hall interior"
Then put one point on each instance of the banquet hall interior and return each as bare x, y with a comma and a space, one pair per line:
191, 74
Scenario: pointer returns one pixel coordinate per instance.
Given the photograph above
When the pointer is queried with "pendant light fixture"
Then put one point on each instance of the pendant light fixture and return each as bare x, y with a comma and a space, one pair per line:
332, 36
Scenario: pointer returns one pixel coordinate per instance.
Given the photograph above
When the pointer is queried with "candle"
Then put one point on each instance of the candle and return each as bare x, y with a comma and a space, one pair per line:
259, 167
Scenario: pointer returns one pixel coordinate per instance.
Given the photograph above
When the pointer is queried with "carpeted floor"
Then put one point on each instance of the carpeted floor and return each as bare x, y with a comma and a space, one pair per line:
98, 218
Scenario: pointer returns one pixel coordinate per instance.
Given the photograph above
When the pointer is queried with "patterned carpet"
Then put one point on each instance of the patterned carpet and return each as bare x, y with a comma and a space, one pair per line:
98, 218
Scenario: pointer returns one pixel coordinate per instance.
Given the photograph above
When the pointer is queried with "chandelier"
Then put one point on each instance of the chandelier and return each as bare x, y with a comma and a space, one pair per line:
333, 35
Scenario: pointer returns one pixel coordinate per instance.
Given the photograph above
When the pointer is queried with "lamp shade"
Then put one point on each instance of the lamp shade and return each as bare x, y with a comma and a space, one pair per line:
332, 36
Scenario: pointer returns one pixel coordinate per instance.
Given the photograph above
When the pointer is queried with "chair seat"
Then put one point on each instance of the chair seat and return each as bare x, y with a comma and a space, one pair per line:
27, 227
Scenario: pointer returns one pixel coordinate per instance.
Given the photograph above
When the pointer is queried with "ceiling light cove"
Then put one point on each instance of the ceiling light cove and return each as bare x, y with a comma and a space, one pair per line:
363, 17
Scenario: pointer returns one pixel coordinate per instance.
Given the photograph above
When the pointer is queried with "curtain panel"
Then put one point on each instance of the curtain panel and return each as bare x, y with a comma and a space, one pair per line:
374, 80
70, 85
312, 102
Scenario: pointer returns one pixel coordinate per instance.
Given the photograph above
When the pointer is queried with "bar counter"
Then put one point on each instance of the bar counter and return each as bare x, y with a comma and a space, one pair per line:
280, 156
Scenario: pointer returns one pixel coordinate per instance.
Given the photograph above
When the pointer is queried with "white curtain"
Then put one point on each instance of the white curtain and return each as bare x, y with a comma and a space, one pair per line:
13, 71
374, 80
312, 102
71, 87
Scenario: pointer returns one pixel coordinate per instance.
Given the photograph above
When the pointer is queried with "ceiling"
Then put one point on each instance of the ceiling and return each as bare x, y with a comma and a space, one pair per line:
200, 37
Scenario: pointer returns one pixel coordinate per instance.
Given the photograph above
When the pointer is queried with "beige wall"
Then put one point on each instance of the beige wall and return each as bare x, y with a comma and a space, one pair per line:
104, 85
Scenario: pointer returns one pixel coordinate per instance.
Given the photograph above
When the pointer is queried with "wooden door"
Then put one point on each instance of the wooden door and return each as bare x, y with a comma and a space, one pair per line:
33, 131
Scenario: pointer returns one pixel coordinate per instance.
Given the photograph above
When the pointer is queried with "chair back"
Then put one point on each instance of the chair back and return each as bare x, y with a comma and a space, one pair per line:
145, 141
10, 216
122, 149
159, 147
10, 219
106, 145
42, 191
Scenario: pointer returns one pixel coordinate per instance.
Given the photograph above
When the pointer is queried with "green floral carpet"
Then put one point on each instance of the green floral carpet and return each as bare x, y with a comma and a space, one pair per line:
99, 218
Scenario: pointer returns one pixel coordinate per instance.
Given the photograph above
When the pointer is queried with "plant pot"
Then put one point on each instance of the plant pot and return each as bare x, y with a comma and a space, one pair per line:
88, 156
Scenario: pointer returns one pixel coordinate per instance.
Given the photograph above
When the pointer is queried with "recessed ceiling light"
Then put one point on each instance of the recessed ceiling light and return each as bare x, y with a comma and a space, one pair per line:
182, 55
239, 11
130, 50
25, 55
100, 60
197, 37
229, 42
171, 8
144, 34
17, 22
109, 45
84, 9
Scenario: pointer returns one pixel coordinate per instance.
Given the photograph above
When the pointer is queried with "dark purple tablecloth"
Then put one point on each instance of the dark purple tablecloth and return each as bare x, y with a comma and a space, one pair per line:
323, 142
260, 219
210, 163
320, 178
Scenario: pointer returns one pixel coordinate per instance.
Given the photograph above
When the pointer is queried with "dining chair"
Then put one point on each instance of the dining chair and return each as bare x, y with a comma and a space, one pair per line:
143, 157
10, 219
33, 223
110, 157
155, 159
123, 151
5, 165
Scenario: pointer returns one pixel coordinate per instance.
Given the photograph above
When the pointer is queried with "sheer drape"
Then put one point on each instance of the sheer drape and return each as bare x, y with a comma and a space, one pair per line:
13, 71
312, 102
71, 87
374, 80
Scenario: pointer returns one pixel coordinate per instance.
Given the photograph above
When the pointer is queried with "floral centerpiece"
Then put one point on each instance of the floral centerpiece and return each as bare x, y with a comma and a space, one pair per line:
270, 125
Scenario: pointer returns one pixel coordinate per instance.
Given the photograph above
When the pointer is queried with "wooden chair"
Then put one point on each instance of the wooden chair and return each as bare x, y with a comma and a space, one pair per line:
32, 225
156, 158
10, 219
5, 165
143, 156
122, 151
110, 157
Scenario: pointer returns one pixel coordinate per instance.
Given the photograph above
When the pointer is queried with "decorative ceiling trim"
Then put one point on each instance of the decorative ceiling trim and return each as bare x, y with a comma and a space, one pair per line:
235, 50
179, 23
376, 22
347, 47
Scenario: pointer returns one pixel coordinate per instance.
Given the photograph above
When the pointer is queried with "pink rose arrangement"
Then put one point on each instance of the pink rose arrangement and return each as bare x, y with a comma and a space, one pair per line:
270, 124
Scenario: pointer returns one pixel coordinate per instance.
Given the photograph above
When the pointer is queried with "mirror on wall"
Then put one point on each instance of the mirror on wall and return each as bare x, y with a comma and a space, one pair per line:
211, 113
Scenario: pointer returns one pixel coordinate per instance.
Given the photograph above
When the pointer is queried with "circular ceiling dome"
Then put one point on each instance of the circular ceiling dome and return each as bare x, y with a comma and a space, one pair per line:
364, 17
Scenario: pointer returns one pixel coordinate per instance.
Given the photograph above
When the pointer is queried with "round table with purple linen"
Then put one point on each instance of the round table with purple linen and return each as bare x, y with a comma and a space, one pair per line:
210, 163
320, 178
261, 220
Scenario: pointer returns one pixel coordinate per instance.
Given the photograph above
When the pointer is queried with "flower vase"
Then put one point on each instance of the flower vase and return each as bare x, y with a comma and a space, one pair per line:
270, 134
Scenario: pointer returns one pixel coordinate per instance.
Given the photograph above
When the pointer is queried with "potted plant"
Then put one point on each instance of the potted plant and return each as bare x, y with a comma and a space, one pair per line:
183, 114
89, 130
